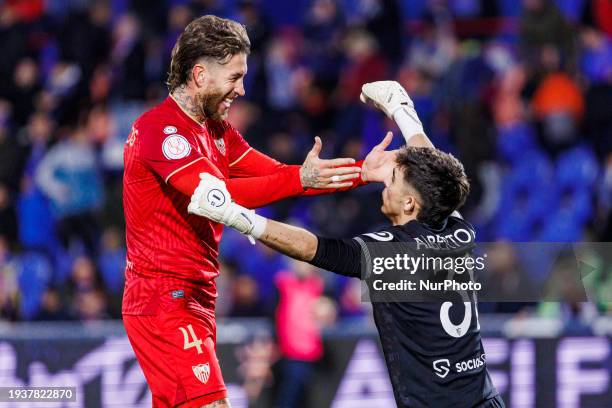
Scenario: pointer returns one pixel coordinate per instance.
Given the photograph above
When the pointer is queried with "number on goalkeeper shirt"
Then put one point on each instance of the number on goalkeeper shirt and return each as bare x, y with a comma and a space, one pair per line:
197, 343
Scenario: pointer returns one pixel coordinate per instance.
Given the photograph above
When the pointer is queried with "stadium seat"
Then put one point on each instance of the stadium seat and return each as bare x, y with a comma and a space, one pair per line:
514, 141
112, 266
36, 221
34, 276
577, 169
509, 8
561, 227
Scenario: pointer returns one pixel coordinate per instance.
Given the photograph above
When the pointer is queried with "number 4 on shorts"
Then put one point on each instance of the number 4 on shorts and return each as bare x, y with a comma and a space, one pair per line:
197, 343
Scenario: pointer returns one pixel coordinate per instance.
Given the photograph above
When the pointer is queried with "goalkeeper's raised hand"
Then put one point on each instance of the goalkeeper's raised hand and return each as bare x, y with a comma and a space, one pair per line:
391, 98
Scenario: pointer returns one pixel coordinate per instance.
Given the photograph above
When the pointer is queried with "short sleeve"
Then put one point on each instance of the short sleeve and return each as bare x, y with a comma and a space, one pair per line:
237, 146
165, 148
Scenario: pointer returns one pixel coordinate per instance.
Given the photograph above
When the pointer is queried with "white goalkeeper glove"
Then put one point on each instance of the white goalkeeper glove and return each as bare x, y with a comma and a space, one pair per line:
212, 200
391, 98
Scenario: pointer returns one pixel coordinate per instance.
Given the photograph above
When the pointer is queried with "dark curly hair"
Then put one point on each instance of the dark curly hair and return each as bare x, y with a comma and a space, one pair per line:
206, 37
438, 177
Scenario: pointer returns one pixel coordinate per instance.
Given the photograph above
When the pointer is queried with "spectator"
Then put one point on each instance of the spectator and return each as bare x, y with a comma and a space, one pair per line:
383, 19
8, 218
69, 176
11, 151
36, 227
128, 58
301, 313
52, 308
247, 301
91, 306
559, 105
8, 283
541, 25
26, 86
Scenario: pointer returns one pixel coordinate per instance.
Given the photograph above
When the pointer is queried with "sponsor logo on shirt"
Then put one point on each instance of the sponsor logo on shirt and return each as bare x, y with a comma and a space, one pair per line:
443, 366
471, 364
202, 372
169, 130
176, 147
177, 294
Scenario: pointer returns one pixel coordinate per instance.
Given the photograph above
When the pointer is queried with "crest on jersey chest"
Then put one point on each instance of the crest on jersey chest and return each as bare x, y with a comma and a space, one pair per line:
220, 143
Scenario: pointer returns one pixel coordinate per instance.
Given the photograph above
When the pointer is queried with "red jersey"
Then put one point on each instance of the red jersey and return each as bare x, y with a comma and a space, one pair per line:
169, 249
171, 253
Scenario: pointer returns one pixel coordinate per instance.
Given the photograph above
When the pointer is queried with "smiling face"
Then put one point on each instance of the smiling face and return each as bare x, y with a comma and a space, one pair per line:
218, 85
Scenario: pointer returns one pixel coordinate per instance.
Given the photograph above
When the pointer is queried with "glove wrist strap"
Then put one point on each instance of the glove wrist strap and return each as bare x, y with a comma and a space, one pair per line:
408, 122
259, 226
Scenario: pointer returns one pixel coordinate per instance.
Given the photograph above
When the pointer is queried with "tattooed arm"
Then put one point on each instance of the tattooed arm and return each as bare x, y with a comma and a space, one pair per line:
222, 403
327, 174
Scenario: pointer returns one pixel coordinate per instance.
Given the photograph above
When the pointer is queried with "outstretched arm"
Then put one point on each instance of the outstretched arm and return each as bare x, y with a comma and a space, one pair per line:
314, 173
212, 200
342, 256
281, 182
292, 241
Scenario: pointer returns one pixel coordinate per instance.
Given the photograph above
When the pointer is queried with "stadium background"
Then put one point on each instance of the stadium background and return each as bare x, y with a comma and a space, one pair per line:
521, 92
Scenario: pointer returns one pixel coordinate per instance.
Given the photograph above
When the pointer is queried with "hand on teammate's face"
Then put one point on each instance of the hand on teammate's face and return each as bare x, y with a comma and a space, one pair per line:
322, 173
379, 163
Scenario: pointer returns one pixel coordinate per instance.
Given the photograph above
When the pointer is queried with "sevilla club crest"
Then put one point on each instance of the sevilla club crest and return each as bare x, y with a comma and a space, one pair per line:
220, 143
202, 372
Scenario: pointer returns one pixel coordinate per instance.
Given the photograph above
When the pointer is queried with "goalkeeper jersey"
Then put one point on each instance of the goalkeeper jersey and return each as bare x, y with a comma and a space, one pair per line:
434, 352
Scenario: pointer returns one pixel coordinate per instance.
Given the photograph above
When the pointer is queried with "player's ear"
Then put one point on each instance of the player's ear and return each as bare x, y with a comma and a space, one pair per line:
198, 74
410, 204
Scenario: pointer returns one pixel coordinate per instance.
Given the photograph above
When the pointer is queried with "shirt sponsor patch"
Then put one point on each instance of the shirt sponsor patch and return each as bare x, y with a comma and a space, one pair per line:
177, 294
169, 130
176, 147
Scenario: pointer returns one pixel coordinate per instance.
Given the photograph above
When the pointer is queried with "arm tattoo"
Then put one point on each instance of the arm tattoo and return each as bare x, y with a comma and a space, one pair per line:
309, 175
222, 403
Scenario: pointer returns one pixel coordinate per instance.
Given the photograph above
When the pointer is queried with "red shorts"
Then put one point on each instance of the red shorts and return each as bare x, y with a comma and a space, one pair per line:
176, 351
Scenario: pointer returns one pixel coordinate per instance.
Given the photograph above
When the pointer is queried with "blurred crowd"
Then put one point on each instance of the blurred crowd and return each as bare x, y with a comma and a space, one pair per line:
521, 92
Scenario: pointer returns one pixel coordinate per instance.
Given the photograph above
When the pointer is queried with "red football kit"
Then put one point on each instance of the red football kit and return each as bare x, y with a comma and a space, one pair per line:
172, 256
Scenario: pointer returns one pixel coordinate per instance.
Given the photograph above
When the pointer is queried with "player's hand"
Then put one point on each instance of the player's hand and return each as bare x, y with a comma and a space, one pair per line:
212, 200
379, 163
320, 173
